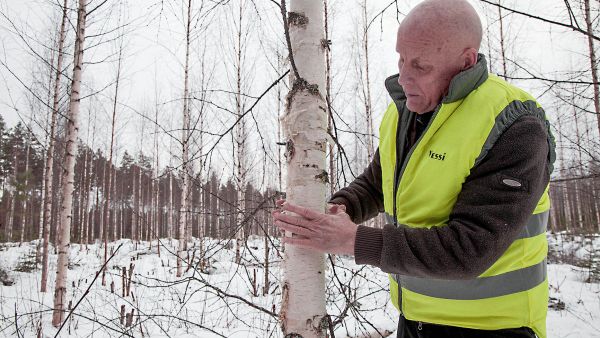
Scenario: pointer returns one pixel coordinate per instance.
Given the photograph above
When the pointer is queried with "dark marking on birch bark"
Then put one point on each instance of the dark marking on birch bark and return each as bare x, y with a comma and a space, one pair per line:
289, 150
297, 19
285, 298
298, 86
321, 145
324, 323
323, 177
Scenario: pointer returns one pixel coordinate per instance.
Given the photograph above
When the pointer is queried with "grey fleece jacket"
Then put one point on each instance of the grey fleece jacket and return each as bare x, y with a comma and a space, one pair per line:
485, 220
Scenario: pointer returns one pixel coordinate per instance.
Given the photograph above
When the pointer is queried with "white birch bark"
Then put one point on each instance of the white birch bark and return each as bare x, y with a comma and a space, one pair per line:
108, 186
593, 61
240, 141
502, 48
185, 170
11, 211
155, 187
139, 215
60, 289
25, 191
332, 167
101, 205
38, 252
305, 122
85, 201
41, 222
134, 211
367, 83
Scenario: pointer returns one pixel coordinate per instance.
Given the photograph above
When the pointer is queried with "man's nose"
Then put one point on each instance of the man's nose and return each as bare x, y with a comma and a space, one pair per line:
404, 76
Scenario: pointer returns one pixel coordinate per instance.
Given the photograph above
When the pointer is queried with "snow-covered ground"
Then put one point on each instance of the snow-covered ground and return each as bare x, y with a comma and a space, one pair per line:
216, 298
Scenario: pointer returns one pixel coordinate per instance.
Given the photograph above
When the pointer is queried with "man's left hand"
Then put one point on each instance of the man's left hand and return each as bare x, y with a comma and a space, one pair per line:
333, 232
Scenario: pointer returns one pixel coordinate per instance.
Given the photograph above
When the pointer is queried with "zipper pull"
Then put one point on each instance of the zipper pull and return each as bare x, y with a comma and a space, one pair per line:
420, 326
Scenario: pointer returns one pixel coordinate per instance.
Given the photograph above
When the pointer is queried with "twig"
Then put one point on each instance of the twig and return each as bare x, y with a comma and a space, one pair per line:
88, 289
16, 322
577, 29
286, 29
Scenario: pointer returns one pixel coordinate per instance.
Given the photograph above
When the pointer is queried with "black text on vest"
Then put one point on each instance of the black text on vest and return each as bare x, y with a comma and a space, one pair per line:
437, 156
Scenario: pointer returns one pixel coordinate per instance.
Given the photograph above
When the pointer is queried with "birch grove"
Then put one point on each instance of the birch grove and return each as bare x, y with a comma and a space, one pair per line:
149, 182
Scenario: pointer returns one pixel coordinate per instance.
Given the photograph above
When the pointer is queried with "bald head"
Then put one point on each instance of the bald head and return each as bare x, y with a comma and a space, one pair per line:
454, 23
437, 40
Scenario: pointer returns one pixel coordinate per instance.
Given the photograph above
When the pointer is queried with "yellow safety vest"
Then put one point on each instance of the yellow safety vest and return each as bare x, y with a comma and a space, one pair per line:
513, 292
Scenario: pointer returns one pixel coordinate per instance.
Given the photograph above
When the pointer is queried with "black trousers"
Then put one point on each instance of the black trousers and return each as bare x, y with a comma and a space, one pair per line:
410, 329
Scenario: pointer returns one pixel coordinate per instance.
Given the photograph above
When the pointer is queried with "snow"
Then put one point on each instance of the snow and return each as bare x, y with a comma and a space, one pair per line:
217, 300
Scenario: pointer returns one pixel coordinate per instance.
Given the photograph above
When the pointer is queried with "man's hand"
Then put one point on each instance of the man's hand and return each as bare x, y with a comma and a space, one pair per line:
333, 232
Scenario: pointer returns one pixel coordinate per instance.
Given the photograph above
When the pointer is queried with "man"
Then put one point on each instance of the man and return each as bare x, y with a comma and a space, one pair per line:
461, 171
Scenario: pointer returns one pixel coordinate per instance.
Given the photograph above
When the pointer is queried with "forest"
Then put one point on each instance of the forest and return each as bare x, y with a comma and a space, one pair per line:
144, 144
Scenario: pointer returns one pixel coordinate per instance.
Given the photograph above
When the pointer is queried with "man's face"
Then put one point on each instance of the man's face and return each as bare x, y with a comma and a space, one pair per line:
426, 67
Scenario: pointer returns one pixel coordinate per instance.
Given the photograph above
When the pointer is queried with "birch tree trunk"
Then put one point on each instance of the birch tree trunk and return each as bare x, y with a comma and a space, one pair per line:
134, 207
140, 204
101, 204
85, 201
240, 141
332, 169
60, 289
304, 124
25, 192
155, 186
108, 186
184, 142
367, 84
502, 48
594, 67
38, 252
11, 211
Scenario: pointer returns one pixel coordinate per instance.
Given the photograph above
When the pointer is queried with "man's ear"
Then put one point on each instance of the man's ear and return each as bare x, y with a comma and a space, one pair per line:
469, 58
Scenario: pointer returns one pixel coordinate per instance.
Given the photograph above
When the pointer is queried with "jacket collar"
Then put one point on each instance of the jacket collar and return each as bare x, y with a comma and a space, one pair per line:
461, 85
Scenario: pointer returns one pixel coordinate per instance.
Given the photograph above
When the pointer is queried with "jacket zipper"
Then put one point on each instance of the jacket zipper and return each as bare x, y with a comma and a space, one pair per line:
399, 170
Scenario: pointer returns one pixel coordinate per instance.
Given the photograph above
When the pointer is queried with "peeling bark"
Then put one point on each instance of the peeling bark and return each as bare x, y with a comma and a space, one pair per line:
305, 125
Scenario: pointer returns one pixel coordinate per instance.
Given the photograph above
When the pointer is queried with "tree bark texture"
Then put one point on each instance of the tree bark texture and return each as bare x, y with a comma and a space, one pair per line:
594, 67
185, 166
60, 289
305, 123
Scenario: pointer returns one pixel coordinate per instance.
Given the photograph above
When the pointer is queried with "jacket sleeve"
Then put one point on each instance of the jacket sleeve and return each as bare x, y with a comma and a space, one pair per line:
485, 220
363, 197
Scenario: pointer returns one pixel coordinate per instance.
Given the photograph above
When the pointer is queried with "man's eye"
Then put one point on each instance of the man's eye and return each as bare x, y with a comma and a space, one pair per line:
423, 69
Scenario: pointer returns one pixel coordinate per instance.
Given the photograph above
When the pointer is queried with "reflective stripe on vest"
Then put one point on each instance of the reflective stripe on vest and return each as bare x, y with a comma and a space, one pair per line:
536, 224
513, 291
482, 287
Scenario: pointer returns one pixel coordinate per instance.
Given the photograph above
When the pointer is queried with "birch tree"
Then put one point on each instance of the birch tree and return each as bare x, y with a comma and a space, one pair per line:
185, 166
366, 81
107, 189
593, 61
241, 134
26, 195
305, 123
60, 289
